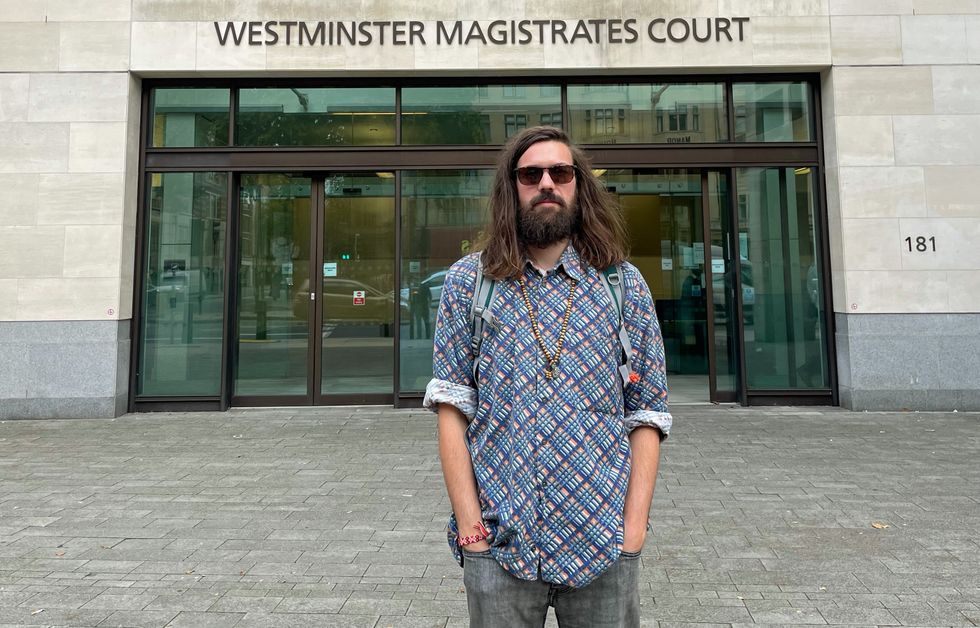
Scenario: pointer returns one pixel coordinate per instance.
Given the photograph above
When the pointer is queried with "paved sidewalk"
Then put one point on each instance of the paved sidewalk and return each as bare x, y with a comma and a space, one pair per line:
334, 517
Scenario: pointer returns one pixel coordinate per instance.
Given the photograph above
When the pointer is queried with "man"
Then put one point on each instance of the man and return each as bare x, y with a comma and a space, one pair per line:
549, 455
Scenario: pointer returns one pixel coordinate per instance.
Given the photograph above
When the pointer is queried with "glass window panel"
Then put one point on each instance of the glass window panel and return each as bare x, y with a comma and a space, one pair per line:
772, 112
681, 113
186, 117
273, 285
442, 213
302, 116
358, 297
474, 115
723, 284
782, 299
183, 285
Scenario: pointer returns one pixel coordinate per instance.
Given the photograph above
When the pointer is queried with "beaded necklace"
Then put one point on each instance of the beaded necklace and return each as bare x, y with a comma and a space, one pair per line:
552, 360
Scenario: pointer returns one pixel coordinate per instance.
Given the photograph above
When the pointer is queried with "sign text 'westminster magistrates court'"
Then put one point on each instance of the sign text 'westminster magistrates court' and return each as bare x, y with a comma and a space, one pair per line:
485, 33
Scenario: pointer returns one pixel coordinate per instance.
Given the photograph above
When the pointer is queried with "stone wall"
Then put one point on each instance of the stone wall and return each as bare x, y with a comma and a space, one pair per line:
902, 126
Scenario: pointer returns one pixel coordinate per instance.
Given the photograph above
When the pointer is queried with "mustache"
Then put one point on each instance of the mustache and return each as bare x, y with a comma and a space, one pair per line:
548, 196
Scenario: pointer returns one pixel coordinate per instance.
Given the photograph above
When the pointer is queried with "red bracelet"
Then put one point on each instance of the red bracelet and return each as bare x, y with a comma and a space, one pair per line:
482, 534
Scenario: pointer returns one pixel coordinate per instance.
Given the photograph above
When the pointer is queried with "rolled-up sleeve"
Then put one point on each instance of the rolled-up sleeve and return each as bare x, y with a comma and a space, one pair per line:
452, 351
646, 394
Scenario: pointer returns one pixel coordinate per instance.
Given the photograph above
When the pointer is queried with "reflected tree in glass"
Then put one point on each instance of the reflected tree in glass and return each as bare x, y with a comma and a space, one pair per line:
273, 268
442, 214
190, 117
486, 114
302, 116
183, 285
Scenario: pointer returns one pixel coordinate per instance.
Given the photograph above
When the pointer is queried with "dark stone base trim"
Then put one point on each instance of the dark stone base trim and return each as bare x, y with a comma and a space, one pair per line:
77, 408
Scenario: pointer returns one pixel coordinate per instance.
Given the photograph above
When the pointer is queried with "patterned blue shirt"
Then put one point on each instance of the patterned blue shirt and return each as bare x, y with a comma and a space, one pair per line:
551, 456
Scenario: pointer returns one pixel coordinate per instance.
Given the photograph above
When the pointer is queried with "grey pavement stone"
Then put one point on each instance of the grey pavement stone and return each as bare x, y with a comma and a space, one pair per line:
398, 621
335, 517
52, 617
238, 604
868, 616
184, 601
312, 604
367, 606
60, 599
192, 619
138, 619
121, 601
292, 620
766, 612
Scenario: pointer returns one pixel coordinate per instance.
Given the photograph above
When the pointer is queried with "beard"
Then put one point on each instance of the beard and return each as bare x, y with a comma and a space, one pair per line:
544, 226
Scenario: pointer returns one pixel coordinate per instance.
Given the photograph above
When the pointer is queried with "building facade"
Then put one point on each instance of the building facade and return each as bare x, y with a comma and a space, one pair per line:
214, 204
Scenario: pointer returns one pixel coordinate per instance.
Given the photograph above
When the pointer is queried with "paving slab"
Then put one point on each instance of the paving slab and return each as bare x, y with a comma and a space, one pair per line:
335, 517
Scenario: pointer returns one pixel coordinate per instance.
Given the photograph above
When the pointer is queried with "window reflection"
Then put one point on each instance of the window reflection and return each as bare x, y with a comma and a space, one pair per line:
683, 113
358, 301
183, 279
475, 115
442, 213
784, 344
723, 286
663, 211
273, 266
302, 116
772, 112
188, 117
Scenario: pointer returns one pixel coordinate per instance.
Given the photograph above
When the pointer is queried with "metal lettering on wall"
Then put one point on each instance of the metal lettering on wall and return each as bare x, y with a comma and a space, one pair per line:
487, 33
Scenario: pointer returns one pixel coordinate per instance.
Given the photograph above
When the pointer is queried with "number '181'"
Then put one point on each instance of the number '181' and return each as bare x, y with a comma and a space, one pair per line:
921, 244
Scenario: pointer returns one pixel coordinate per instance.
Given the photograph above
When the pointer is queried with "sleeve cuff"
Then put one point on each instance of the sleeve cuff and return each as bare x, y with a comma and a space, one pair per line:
441, 391
660, 420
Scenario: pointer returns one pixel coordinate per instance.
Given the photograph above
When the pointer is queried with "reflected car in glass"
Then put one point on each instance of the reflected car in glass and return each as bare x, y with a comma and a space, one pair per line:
431, 284
342, 302
718, 293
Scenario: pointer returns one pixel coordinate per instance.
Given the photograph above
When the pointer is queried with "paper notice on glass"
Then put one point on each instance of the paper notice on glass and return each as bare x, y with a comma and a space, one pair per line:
667, 263
330, 269
717, 266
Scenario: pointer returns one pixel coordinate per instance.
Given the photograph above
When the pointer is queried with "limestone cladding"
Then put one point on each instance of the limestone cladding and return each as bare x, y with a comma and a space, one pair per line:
904, 131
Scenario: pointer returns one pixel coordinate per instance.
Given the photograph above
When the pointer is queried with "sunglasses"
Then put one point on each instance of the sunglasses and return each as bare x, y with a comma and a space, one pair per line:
531, 175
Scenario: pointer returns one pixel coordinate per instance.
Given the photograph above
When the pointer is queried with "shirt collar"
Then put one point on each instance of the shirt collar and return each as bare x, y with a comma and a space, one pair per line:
570, 261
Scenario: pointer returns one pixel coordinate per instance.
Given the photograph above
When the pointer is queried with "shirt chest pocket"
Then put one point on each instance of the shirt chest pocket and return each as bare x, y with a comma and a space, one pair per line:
496, 359
591, 367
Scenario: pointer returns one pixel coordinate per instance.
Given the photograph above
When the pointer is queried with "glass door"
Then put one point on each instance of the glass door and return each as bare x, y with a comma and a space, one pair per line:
315, 309
272, 348
356, 312
785, 319
676, 242
723, 316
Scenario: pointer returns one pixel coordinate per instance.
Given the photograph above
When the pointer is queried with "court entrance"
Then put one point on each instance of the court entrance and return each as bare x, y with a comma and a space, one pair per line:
295, 234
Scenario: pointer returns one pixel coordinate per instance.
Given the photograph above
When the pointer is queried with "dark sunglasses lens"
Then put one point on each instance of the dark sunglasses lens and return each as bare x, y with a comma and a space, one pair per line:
529, 175
561, 174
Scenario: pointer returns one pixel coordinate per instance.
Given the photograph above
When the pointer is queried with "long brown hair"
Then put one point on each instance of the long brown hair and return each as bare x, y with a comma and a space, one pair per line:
601, 239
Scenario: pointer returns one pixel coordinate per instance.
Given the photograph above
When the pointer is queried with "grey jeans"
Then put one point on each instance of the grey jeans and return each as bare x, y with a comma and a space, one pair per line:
497, 599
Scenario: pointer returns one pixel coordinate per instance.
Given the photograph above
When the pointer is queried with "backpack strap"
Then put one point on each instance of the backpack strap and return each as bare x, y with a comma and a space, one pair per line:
613, 282
481, 312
